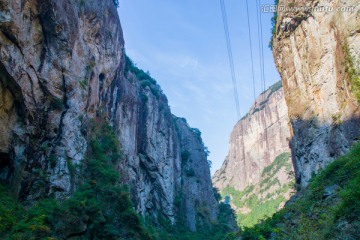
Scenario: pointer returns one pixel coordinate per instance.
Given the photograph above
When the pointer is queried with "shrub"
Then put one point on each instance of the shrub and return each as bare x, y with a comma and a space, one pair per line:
185, 155
190, 172
56, 103
116, 2
217, 194
101, 205
316, 216
273, 24
353, 74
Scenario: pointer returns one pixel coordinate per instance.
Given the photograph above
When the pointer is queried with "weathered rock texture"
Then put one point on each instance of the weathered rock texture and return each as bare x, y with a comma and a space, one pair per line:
61, 63
256, 140
153, 141
311, 49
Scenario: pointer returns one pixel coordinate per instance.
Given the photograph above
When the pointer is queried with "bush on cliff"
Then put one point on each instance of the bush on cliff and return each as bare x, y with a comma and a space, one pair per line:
100, 209
329, 208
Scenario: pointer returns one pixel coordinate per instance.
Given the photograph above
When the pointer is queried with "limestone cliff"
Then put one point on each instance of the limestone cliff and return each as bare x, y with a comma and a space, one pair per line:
256, 174
63, 63
317, 53
153, 141
255, 141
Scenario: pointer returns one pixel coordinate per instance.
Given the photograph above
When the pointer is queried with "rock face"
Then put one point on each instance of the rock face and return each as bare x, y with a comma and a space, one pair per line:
317, 53
256, 140
63, 62
154, 141
195, 183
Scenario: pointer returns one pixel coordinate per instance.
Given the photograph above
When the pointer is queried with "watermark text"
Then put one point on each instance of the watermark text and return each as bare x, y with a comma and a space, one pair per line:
272, 8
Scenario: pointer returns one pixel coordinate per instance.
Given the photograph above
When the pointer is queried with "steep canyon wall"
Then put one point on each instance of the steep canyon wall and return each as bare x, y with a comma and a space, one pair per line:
317, 53
63, 63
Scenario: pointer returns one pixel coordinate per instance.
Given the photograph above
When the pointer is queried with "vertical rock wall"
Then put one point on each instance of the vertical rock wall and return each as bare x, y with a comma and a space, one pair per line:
62, 63
57, 63
312, 51
256, 140
153, 141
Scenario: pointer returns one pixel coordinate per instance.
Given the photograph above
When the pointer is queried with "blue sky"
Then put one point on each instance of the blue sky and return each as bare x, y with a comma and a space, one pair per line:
182, 44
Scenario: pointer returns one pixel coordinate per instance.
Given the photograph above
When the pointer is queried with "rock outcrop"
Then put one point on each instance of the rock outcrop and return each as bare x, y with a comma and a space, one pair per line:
62, 63
255, 141
317, 53
154, 141
256, 174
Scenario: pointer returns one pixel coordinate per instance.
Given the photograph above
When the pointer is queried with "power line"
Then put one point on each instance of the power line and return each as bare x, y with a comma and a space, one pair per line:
251, 48
231, 61
262, 47
261, 50
260, 58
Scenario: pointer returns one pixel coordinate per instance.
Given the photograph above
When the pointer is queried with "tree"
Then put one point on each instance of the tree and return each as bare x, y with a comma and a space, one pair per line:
209, 163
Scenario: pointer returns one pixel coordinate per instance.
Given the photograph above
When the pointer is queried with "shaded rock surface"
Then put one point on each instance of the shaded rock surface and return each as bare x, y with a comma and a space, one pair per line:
312, 50
63, 62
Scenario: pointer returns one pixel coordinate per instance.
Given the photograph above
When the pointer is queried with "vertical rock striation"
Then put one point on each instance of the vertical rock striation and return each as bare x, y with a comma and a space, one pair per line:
195, 181
57, 63
62, 63
317, 54
256, 174
153, 141
256, 140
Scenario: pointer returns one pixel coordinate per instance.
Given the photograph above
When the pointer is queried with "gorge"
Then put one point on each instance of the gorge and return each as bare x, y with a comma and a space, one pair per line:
90, 149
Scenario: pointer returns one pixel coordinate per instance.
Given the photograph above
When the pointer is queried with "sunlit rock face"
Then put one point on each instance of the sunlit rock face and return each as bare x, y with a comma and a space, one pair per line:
313, 51
61, 64
255, 141
163, 182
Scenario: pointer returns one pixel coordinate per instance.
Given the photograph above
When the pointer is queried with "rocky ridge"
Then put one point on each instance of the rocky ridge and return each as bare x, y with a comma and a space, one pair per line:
63, 63
256, 176
255, 141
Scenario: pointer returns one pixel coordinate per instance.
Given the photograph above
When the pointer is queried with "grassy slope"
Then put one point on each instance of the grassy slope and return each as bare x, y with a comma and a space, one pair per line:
316, 214
269, 187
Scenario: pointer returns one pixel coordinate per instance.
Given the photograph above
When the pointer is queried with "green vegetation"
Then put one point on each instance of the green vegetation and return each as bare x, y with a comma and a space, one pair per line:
56, 103
116, 2
190, 172
280, 161
352, 73
251, 197
84, 83
144, 77
319, 213
273, 24
213, 231
100, 209
273, 88
185, 156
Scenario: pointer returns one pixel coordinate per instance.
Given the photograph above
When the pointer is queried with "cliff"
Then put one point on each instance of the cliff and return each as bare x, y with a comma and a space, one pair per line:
256, 174
62, 64
153, 141
255, 141
317, 54
328, 208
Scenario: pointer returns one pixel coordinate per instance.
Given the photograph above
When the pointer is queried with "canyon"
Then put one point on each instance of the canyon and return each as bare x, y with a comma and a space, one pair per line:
63, 64
88, 140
